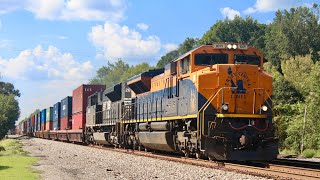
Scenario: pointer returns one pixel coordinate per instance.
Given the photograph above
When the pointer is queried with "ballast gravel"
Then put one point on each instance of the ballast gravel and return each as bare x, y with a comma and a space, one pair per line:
59, 160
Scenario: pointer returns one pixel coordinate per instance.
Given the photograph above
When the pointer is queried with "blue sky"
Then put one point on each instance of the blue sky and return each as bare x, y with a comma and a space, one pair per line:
49, 47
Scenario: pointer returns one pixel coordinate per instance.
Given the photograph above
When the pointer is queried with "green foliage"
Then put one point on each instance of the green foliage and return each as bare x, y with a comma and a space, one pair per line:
292, 33
309, 153
117, 72
172, 55
288, 152
8, 88
9, 113
187, 45
245, 30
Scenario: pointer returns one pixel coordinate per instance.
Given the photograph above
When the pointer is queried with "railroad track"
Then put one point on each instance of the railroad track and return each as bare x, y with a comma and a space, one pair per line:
269, 170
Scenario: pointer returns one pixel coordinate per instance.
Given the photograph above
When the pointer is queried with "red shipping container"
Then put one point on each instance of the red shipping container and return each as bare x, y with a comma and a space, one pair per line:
49, 125
78, 120
81, 94
43, 126
65, 123
32, 121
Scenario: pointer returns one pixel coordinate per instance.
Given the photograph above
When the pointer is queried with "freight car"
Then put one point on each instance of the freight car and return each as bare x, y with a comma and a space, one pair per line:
214, 101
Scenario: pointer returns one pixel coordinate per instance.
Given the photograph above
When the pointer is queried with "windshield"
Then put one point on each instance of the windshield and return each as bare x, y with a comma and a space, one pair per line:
247, 59
210, 59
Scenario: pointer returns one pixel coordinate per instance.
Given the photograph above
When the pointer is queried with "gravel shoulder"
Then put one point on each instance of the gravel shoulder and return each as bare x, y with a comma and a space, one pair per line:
70, 161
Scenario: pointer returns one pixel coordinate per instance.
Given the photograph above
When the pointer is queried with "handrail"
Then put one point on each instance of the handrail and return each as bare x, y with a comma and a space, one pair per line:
213, 96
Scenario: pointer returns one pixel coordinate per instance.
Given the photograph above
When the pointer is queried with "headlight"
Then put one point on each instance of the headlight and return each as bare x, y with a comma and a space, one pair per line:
229, 46
224, 107
234, 46
264, 108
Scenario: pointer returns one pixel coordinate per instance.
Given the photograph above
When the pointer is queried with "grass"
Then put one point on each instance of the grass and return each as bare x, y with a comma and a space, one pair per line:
15, 164
309, 153
288, 152
317, 154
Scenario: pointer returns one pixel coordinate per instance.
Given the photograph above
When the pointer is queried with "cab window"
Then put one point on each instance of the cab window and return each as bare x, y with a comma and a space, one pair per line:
210, 59
246, 59
184, 65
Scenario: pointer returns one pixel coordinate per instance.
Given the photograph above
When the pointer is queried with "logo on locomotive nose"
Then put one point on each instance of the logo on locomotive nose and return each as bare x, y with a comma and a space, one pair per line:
238, 80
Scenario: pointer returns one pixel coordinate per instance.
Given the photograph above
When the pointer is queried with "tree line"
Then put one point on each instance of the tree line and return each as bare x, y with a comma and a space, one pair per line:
291, 43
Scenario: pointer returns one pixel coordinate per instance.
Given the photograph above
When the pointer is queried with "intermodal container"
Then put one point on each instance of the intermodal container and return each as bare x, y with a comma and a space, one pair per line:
56, 116
28, 125
36, 122
32, 124
65, 123
81, 94
39, 121
49, 125
43, 119
80, 103
66, 107
49, 114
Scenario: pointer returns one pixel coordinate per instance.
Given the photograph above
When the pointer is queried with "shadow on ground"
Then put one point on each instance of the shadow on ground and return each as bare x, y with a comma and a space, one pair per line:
4, 167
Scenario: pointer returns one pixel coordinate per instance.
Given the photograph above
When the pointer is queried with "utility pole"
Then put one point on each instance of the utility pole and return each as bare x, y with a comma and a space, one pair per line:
303, 130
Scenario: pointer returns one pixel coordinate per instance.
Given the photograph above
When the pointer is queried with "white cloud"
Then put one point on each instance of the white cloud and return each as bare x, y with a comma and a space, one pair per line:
229, 13
116, 41
170, 47
44, 76
270, 5
143, 26
111, 10
50, 64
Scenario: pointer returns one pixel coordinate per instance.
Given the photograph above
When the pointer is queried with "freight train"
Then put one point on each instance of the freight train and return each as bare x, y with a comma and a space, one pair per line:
213, 101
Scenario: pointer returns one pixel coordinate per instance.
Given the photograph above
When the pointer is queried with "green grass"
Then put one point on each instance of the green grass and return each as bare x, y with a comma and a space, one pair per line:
309, 153
288, 152
15, 164
317, 154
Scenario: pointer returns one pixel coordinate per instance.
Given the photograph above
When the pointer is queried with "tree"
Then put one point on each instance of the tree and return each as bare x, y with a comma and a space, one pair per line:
8, 88
172, 55
293, 33
110, 74
187, 45
245, 30
9, 113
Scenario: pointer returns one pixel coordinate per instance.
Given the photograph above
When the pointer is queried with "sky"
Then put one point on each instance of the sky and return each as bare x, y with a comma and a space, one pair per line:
50, 47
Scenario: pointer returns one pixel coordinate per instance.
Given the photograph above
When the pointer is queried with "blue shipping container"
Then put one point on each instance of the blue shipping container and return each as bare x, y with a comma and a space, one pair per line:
39, 121
29, 125
43, 116
56, 116
66, 107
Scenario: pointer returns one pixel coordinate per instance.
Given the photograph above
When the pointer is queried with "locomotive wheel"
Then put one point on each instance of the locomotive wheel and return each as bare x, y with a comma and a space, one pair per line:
199, 155
187, 153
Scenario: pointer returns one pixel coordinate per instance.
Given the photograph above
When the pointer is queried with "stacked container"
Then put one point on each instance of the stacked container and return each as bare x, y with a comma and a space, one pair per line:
32, 124
39, 121
56, 116
79, 103
66, 112
29, 125
49, 118
35, 122
43, 119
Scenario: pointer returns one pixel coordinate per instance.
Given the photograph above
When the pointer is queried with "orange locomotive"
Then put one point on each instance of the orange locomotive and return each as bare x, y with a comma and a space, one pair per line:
213, 101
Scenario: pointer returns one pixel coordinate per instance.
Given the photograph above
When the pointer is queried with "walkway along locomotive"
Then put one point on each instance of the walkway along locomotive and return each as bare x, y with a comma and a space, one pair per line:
213, 101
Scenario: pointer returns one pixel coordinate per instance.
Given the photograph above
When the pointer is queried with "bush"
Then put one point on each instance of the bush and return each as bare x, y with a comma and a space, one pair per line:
317, 154
2, 148
309, 153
